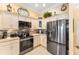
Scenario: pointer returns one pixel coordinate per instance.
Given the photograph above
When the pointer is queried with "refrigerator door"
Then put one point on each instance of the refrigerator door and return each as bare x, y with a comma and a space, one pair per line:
67, 36
49, 28
62, 49
62, 31
52, 31
52, 47
56, 49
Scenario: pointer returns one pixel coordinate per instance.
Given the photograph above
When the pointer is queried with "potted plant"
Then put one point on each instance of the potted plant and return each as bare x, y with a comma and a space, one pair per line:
47, 14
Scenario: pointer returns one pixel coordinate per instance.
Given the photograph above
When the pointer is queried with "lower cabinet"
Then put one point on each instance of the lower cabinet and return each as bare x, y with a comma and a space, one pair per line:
9, 48
5, 50
40, 39
43, 39
36, 40
15, 48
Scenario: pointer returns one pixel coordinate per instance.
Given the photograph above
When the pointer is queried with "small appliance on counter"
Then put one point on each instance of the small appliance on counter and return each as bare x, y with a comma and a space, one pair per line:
23, 34
12, 33
3, 34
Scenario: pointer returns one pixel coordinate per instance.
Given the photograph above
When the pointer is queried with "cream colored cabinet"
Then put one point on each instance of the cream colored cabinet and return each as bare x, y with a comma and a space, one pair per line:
14, 21
40, 39
44, 24
1, 21
6, 17
36, 40
15, 47
5, 50
43, 38
34, 24
9, 48
21, 18
10, 21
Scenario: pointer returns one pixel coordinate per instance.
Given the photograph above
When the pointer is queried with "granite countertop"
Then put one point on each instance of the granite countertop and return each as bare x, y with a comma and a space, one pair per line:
34, 34
37, 34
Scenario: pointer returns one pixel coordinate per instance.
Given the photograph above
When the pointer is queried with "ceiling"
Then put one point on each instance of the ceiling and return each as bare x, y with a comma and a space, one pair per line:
40, 7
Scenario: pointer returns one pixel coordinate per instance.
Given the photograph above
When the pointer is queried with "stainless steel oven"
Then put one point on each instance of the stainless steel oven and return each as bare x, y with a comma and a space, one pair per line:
26, 45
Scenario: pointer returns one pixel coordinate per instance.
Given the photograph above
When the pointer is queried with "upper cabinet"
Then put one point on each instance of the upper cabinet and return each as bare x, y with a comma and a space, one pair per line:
1, 21
34, 24
43, 24
8, 21
21, 18
14, 23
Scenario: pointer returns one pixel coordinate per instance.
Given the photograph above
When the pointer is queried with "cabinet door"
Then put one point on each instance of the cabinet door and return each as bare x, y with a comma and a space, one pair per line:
43, 24
6, 20
10, 21
5, 50
0, 21
14, 22
43, 40
15, 48
34, 24
36, 41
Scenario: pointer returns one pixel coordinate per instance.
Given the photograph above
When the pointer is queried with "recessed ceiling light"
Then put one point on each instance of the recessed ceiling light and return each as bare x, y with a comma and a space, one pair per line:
44, 5
36, 5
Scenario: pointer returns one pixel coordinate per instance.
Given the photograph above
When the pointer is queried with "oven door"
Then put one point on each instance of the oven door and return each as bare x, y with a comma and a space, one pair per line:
25, 44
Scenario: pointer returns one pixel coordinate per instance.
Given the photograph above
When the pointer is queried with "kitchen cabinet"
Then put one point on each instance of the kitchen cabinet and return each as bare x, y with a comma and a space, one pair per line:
9, 47
35, 24
36, 40
21, 18
40, 39
5, 50
43, 40
14, 22
0, 21
10, 21
15, 47
6, 20
43, 24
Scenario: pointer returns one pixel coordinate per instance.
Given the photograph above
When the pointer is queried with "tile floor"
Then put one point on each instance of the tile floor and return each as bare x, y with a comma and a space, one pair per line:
39, 51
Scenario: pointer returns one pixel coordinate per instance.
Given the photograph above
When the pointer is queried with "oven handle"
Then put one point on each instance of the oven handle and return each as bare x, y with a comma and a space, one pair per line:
26, 39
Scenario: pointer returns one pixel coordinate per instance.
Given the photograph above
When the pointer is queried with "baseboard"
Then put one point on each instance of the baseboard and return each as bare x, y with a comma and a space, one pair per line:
36, 46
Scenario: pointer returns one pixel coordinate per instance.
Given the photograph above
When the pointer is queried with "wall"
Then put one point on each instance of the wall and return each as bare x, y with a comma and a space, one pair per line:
76, 27
60, 14
71, 34
56, 9
15, 7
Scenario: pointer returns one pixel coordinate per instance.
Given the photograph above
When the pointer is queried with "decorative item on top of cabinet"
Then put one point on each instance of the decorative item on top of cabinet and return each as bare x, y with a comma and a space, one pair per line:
40, 21
47, 14
9, 8
23, 12
64, 7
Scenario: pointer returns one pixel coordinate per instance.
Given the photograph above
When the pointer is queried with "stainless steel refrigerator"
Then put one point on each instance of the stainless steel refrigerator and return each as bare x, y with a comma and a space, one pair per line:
58, 37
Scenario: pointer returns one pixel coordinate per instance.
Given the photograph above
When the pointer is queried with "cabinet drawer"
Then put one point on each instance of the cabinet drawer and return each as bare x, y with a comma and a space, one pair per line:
5, 43
9, 42
14, 41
